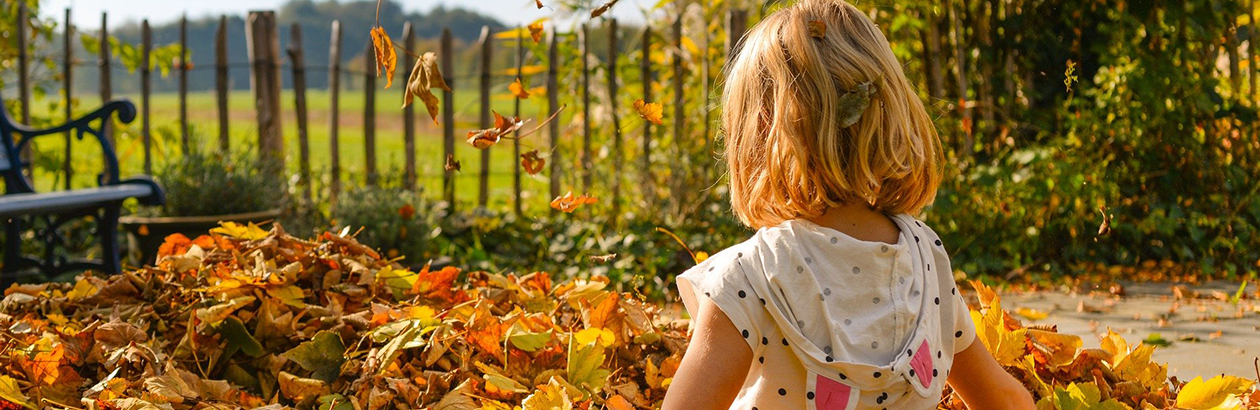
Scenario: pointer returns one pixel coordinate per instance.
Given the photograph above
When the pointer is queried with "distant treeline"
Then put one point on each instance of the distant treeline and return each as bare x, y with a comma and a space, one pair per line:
315, 18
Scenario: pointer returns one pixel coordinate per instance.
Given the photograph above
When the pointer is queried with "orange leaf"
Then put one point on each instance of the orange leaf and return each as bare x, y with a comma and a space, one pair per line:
175, 244
438, 286
532, 163
406, 211
45, 367
518, 89
568, 203
536, 30
539, 2
386, 59
653, 112
817, 29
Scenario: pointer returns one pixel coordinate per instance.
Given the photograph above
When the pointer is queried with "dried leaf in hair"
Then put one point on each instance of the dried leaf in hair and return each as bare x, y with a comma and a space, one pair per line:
853, 103
602, 9
425, 76
817, 29
386, 59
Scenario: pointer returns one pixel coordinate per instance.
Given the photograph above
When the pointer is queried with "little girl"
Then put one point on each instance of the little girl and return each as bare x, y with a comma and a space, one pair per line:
841, 300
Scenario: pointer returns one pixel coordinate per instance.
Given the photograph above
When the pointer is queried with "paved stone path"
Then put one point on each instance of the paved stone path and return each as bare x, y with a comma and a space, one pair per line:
1209, 335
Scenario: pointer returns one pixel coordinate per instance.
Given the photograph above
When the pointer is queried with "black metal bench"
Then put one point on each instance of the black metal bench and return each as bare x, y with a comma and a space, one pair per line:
22, 209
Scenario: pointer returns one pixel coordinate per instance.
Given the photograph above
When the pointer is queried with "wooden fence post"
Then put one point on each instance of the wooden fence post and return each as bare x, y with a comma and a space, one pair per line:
553, 104
264, 54
645, 69
705, 91
24, 92
956, 31
67, 71
584, 43
448, 119
409, 112
334, 110
369, 115
299, 100
487, 50
616, 120
516, 143
183, 84
680, 119
146, 89
736, 26
103, 62
221, 82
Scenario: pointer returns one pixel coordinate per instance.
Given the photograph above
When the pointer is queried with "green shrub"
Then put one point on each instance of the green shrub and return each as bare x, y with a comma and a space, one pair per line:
199, 184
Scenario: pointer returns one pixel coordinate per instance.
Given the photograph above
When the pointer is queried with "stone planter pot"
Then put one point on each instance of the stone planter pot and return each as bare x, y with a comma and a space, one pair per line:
146, 234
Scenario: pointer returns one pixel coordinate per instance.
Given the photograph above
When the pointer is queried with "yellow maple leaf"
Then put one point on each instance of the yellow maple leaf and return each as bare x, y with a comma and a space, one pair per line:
1214, 393
248, 232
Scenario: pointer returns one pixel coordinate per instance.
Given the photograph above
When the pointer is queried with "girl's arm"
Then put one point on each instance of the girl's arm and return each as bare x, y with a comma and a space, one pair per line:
714, 367
983, 384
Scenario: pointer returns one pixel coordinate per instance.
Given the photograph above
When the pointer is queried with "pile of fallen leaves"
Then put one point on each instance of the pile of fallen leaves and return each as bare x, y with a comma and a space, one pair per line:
1115, 376
246, 318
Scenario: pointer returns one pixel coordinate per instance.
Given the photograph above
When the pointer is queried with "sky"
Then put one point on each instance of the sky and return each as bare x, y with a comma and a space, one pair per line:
87, 13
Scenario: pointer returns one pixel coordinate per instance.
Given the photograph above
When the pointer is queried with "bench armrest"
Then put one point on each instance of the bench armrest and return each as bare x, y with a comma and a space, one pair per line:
84, 125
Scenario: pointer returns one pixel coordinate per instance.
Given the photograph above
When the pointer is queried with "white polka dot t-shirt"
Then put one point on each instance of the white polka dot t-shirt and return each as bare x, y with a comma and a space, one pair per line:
836, 323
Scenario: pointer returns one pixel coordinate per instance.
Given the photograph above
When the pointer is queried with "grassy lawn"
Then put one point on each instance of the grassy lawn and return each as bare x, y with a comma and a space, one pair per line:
203, 122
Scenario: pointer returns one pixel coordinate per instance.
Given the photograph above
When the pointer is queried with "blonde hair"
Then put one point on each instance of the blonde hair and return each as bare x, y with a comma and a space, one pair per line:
788, 155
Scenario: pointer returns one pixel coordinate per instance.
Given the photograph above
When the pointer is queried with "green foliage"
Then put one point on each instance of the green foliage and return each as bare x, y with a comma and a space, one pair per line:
202, 184
132, 56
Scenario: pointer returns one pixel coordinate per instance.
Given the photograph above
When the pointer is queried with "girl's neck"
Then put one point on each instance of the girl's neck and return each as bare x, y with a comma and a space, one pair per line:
860, 221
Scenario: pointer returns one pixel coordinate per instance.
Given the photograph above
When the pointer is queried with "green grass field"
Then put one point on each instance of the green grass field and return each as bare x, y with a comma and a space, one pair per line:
203, 123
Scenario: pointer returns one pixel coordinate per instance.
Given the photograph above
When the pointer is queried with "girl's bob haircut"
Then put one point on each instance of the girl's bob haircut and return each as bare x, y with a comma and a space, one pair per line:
788, 154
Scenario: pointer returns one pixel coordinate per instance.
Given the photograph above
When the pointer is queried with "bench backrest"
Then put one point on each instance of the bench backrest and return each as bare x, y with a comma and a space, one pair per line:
10, 161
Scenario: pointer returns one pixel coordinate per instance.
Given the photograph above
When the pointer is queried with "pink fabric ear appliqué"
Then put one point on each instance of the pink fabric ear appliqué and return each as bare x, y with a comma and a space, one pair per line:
832, 395
922, 364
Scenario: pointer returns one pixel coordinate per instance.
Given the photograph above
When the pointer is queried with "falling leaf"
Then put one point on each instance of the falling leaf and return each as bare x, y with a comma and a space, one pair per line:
536, 31
568, 203
386, 58
482, 139
817, 29
1105, 227
424, 77
451, 163
532, 163
653, 112
1031, 314
602, 9
518, 90
539, 3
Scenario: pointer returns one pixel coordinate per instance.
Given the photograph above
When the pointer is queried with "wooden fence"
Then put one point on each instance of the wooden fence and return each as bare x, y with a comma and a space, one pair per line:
943, 52
266, 61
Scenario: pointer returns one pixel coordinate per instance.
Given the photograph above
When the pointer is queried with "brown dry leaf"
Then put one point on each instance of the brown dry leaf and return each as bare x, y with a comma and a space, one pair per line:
386, 58
451, 163
424, 77
599, 11
539, 3
817, 29
532, 163
482, 139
